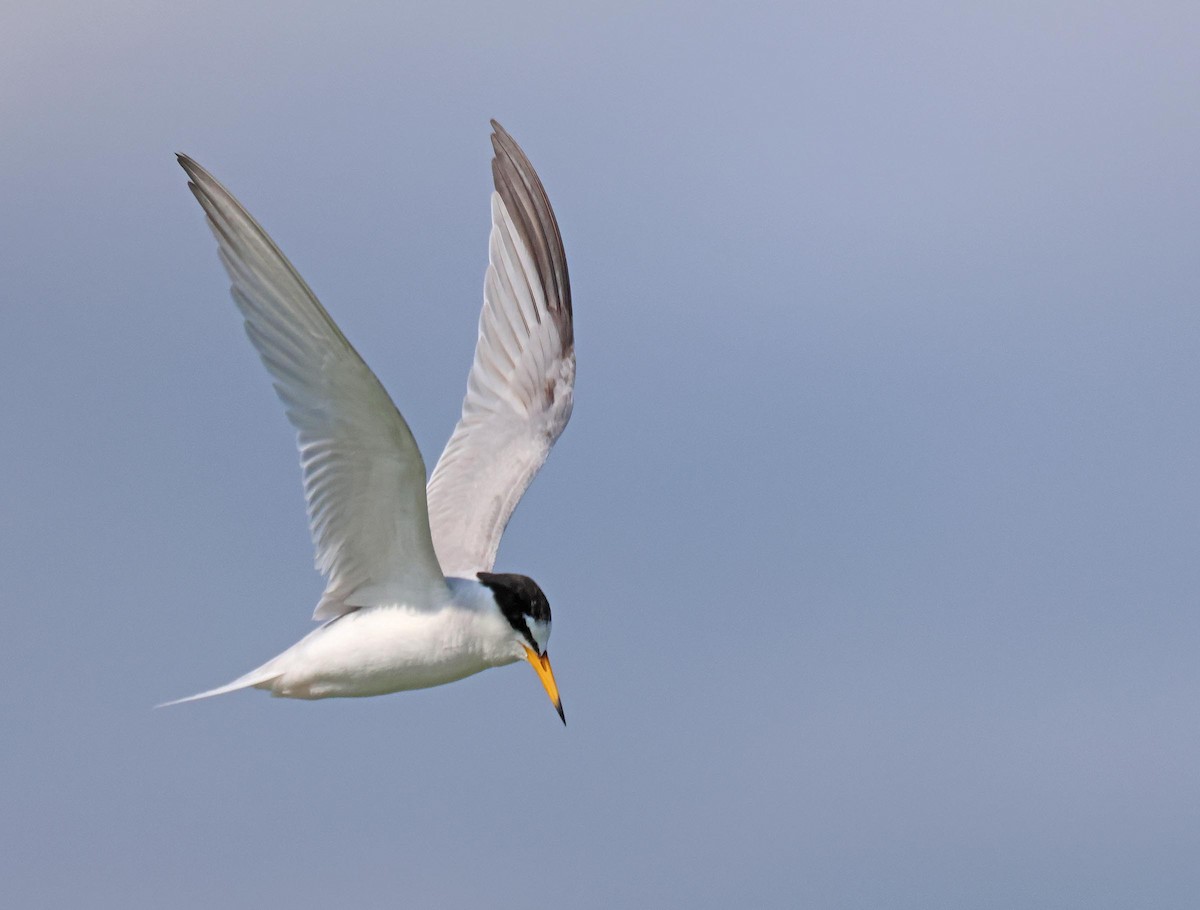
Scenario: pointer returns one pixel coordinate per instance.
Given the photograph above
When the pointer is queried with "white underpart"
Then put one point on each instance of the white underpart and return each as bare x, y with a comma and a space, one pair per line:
392, 648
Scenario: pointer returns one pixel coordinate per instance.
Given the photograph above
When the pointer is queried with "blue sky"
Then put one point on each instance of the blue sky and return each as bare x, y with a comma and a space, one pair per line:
872, 544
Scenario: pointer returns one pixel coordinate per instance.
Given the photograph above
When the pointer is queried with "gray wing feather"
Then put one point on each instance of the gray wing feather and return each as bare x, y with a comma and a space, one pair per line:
519, 390
364, 479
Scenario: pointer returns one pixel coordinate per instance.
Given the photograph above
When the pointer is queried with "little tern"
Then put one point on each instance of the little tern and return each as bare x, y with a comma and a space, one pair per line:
411, 600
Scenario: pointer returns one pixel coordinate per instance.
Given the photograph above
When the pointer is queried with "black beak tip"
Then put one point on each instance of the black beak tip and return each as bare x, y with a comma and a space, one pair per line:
562, 716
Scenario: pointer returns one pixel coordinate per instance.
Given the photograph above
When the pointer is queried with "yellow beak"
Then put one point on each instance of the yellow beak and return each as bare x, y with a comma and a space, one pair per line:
541, 666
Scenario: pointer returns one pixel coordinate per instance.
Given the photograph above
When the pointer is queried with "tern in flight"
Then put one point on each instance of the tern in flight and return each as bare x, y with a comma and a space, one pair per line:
411, 600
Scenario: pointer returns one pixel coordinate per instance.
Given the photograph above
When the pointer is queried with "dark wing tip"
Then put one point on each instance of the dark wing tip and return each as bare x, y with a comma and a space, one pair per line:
189, 164
528, 205
200, 181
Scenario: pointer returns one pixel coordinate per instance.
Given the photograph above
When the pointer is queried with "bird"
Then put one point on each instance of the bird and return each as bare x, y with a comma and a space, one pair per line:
411, 600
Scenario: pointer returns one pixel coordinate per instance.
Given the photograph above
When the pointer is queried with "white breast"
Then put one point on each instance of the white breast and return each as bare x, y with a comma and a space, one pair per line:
384, 649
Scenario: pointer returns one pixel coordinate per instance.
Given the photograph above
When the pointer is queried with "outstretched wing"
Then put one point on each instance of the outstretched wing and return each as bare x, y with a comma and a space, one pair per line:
520, 386
363, 474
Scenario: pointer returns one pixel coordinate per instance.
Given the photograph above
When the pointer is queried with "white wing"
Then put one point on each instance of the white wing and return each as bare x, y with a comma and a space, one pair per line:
520, 386
363, 474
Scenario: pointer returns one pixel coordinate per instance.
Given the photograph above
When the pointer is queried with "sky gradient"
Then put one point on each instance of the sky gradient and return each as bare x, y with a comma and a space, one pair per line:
873, 544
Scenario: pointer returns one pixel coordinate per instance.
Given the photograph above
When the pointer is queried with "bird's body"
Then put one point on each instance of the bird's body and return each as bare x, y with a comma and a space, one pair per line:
411, 601
393, 648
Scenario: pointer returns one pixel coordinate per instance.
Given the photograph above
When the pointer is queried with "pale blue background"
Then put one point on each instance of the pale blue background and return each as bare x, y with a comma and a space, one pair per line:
874, 544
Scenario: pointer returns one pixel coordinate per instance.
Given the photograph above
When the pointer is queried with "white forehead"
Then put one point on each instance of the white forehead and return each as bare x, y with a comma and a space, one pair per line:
540, 632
